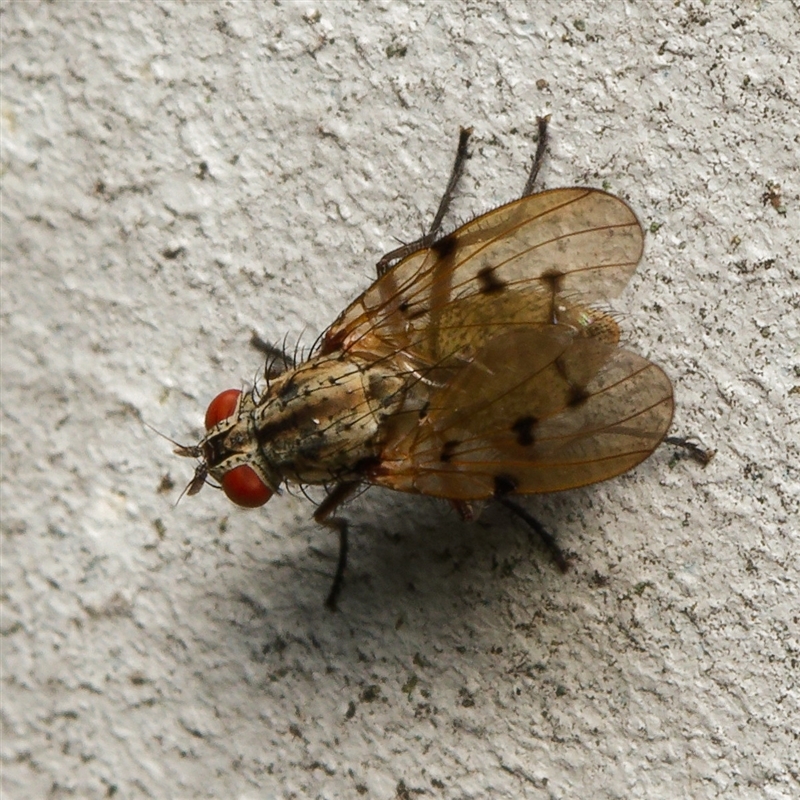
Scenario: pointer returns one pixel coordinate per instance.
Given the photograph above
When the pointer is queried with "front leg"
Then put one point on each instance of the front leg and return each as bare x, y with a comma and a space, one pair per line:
337, 495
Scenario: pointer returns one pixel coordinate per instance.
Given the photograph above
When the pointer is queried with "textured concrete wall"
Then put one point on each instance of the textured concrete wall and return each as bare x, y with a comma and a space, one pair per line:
175, 176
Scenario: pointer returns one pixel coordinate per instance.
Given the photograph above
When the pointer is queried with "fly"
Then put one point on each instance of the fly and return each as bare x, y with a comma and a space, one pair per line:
479, 365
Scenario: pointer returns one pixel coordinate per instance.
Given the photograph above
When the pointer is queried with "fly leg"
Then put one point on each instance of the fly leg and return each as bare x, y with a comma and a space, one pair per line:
541, 148
544, 535
692, 450
277, 360
430, 237
322, 515
462, 155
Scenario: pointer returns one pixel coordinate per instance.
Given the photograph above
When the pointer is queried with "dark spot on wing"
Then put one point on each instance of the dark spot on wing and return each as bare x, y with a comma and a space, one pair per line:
490, 283
552, 278
577, 396
504, 484
423, 412
445, 246
412, 311
447, 450
523, 428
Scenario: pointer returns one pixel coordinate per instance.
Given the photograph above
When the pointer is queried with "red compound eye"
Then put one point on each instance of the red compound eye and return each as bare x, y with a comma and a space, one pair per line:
245, 488
221, 407
241, 484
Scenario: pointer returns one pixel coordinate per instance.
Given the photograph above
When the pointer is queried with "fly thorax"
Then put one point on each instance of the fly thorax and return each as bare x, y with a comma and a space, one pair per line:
320, 421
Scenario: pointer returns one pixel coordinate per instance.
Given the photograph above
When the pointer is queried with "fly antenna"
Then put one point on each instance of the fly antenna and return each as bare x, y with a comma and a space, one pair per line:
189, 451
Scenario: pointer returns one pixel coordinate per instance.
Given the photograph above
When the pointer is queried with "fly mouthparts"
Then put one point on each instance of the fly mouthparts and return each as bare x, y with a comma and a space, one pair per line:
194, 451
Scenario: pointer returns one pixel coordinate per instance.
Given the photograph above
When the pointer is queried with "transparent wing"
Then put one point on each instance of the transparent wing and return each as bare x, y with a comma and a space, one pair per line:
517, 384
562, 246
538, 409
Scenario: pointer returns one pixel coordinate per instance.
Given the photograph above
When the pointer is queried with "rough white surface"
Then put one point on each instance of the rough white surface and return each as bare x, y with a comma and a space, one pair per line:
177, 175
